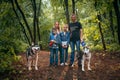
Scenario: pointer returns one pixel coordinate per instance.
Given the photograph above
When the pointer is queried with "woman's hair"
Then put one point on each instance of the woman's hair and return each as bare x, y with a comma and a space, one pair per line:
58, 26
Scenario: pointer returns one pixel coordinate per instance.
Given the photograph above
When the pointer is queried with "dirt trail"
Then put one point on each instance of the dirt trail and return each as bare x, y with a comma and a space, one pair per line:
104, 67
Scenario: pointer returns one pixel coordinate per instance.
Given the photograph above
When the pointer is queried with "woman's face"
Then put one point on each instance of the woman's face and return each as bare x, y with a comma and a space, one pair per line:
57, 25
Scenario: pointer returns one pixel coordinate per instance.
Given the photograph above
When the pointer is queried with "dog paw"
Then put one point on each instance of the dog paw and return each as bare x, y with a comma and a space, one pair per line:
89, 69
36, 68
83, 70
29, 68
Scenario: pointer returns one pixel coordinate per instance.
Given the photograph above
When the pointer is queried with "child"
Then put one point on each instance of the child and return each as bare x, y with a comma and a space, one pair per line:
65, 37
53, 44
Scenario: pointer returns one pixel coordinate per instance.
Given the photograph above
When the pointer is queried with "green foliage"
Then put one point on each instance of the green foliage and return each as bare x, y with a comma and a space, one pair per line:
20, 46
6, 59
7, 55
113, 47
5, 62
11, 34
96, 48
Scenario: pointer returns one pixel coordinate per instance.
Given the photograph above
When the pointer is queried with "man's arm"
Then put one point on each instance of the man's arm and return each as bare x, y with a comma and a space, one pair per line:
81, 35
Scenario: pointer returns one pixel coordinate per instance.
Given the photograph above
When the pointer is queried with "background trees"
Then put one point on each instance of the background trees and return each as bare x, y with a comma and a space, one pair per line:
26, 21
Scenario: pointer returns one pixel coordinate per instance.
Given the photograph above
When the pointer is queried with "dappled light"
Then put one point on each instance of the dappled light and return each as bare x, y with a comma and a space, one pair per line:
55, 26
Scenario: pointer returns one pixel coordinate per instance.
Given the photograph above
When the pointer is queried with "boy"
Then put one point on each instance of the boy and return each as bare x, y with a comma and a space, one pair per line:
65, 37
53, 44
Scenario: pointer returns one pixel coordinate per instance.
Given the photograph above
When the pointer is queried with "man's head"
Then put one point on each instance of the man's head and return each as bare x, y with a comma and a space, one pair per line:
73, 17
56, 25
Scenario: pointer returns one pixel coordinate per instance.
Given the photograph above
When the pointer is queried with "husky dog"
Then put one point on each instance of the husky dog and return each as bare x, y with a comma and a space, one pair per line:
32, 56
86, 56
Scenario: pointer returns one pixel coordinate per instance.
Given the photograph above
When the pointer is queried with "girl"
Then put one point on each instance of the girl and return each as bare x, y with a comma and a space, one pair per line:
65, 38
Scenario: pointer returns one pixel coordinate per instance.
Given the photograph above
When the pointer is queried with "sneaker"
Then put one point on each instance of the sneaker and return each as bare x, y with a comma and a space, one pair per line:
66, 64
29, 68
72, 65
62, 64
36, 68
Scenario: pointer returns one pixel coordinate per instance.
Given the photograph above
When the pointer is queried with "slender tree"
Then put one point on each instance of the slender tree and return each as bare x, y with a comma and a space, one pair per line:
23, 28
117, 12
73, 6
24, 18
111, 23
66, 11
37, 22
35, 35
34, 19
99, 24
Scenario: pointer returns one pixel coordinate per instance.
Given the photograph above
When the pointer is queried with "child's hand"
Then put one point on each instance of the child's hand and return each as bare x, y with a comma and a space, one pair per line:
64, 46
53, 41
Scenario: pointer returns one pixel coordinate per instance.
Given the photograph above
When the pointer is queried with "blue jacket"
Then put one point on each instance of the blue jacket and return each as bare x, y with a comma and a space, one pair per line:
65, 37
57, 39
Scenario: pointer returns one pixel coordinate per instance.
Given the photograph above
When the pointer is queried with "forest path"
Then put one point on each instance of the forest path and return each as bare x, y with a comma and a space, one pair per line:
105, 66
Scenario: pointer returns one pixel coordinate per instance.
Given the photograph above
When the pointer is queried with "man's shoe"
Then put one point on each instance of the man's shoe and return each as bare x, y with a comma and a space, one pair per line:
62, 64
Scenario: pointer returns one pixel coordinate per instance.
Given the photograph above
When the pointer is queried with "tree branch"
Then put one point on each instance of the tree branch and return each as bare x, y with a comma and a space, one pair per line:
12, 2
23, 16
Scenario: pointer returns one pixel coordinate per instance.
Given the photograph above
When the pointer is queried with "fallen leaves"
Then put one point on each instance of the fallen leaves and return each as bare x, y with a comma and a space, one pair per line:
104, 67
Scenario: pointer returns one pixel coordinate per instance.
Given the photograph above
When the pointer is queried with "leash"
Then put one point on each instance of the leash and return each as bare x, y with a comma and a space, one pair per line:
83, 45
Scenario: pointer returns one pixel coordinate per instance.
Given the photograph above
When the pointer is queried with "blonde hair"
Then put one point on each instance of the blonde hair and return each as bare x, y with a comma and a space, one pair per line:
64, 26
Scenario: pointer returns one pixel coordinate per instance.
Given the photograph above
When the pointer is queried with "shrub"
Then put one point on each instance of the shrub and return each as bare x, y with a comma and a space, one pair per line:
96, 48
7, 58
113, 47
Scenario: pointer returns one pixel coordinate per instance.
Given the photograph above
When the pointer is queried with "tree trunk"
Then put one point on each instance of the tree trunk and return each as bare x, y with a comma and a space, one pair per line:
102, 37
117, 12
111, 23
34, 21
26, 23
23, 28
73, 6
66, 11
99, 24
38, 28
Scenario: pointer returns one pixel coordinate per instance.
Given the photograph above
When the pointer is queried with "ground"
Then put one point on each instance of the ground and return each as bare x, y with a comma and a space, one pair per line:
105, 66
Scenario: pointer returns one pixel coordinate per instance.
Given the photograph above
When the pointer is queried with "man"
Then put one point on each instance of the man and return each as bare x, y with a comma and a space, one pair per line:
75, 39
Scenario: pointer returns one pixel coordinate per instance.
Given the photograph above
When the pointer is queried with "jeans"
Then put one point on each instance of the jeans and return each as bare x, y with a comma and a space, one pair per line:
60, 50
64, 55
53, 56
72, 45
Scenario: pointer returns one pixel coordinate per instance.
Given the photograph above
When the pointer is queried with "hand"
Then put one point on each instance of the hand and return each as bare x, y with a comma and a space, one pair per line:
64, 46
53, 41
81, 39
